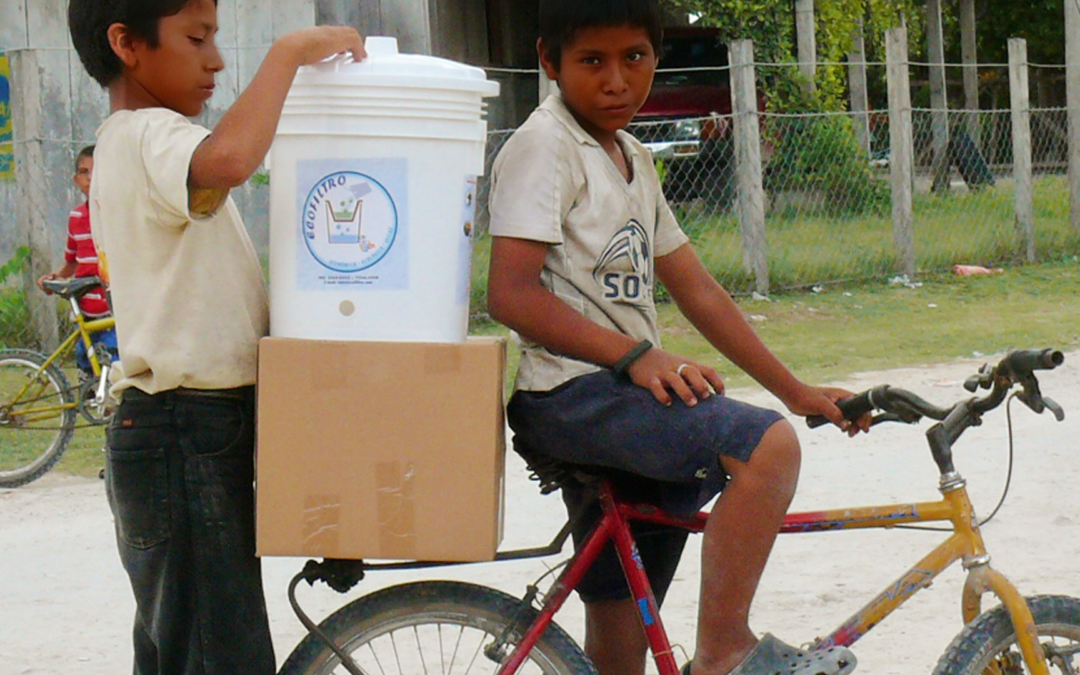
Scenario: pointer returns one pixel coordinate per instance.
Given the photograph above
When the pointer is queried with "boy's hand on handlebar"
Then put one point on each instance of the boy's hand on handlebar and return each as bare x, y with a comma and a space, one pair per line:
663, 373
822, 401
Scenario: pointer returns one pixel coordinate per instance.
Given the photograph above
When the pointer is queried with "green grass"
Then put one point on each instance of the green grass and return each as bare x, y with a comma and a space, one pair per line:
811, 247
872, 326
846, 329
807, 248
860, 322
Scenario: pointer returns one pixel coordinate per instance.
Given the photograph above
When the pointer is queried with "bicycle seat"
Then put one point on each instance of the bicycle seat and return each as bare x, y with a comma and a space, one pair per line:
553, 473
72, 288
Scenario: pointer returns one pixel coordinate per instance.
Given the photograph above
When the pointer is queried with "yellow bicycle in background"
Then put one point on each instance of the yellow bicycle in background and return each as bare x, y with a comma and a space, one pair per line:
39, 407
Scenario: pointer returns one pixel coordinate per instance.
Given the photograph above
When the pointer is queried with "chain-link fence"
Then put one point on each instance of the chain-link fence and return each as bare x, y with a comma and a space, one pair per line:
829, 190
826, 178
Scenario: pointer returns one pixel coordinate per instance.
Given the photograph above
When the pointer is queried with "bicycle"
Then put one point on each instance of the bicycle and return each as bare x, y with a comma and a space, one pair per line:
38, 406
450, 627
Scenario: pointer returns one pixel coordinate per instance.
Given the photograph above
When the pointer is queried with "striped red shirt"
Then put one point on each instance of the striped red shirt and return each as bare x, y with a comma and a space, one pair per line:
81, 251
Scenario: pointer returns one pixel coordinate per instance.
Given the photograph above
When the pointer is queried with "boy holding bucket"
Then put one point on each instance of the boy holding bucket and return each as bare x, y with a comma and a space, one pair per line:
190, 306
581, 232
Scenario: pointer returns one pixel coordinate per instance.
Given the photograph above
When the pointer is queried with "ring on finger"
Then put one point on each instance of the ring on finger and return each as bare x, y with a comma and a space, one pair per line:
682, 367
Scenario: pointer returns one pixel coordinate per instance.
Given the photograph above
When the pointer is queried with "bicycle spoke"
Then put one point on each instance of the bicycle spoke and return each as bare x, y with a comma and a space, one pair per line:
389, 631
457, 646
420, 648
442, 652
397, 657
37, 416
479, 650
375, 657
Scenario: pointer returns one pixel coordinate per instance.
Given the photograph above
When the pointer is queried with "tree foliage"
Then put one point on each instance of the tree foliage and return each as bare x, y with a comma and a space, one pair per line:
771, 26
1040, 22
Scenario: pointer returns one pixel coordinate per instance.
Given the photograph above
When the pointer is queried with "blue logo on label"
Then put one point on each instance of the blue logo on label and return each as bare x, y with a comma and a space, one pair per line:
349, 221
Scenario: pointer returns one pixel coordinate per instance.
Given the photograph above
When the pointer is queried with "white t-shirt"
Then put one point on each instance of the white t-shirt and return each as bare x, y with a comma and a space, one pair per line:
552, 182
186, 285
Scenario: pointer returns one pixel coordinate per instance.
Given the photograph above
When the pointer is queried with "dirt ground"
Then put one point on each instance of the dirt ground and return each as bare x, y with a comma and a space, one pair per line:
66, 606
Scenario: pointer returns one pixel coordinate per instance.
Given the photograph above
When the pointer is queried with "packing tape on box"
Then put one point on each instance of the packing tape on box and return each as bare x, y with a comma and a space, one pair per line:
322, 525
396, 507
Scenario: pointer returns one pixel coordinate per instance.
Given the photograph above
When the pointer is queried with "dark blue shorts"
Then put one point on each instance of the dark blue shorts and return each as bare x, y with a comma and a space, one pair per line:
666, 455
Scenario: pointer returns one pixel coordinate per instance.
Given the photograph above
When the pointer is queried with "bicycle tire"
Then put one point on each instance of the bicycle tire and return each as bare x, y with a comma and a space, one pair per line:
990, 640
433, 627
28, 449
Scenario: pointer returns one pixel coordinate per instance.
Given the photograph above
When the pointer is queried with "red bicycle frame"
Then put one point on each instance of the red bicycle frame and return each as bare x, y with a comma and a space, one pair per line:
964, 543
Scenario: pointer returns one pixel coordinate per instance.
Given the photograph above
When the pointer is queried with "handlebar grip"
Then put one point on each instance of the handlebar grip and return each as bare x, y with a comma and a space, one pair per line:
852, 408
1027, 360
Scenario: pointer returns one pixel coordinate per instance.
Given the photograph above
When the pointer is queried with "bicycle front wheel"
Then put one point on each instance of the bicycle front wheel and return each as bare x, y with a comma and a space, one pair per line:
435, 627
988, 644
37, 416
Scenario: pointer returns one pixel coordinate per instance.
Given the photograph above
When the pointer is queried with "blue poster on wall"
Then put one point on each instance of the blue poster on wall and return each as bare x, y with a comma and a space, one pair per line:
7, 155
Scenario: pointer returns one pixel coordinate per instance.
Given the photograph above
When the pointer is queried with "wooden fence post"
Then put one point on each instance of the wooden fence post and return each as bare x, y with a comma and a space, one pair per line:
32, 193
806, 37
860, 104
748, 175
901, 150
969, 55
1072, 93
939, 102
1021, 135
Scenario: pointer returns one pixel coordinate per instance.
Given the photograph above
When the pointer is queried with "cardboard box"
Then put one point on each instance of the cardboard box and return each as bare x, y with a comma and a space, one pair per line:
380, 450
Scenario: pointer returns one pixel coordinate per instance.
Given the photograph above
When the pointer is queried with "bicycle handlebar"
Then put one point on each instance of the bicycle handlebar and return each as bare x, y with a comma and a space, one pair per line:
1024, 361
900, 405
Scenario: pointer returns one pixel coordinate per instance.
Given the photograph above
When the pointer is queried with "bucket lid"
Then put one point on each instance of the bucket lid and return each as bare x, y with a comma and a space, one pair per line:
386, 67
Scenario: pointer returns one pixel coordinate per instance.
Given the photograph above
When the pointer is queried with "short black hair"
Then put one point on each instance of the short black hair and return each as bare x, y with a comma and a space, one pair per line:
88, 151
560, 20
89, 21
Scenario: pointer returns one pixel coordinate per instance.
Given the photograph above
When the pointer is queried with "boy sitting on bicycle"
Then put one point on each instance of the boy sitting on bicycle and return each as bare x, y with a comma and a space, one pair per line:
581, 233
80, 260
190, 305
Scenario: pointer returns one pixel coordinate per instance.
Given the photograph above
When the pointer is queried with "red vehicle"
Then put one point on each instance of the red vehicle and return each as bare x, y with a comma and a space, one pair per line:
691, 85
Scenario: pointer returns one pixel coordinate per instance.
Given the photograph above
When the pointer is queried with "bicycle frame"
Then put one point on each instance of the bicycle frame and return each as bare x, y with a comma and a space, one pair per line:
83, 330
965, 544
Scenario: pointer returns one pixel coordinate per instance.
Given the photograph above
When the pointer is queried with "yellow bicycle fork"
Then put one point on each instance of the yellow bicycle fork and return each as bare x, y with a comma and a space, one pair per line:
964, 544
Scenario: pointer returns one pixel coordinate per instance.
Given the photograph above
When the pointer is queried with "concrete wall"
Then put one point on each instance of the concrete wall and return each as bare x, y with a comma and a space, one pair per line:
494, 33
72, 105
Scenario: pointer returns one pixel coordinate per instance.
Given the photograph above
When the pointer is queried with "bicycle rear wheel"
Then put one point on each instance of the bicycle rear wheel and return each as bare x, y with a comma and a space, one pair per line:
434, 627
988, 644
37, 416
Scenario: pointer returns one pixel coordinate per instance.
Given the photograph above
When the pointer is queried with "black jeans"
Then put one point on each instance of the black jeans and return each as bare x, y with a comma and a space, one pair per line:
180, 471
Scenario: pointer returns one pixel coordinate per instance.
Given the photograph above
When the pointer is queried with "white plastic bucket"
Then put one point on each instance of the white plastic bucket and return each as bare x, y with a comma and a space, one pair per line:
372, 195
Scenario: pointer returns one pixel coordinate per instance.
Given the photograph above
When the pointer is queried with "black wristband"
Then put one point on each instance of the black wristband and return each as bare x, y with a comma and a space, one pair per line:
623, 364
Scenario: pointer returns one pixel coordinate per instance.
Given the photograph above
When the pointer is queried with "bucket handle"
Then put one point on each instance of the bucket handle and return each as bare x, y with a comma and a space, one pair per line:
375, 46
335, 62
